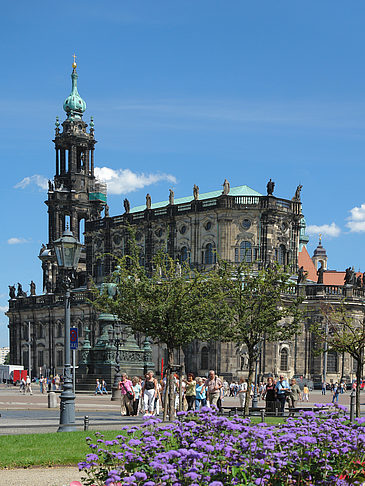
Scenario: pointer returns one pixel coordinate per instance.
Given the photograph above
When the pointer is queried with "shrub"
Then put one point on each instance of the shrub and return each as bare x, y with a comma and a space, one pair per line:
202, 448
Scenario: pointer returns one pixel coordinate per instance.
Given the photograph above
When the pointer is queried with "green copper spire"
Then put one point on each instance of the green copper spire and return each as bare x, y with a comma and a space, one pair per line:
74, 105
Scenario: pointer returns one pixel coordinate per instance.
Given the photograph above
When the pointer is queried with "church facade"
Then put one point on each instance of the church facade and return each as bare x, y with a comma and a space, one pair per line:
238, 223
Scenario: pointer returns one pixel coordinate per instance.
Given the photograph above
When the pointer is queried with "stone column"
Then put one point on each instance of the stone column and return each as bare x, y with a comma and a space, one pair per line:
92, 162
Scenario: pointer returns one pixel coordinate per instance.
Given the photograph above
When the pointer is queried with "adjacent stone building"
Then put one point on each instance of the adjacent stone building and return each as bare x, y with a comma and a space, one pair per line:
238, 223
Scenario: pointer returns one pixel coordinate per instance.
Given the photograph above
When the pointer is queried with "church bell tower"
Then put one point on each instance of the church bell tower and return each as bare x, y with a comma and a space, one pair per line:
75, 195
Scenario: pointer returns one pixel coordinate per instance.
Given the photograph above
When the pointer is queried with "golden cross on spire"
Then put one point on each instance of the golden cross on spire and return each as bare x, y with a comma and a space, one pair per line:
320, 238
74, 65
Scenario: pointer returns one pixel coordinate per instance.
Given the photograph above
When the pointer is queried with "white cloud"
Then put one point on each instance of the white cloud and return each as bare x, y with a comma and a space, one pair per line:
325, 229
356, 221
36, 179
17, 241
4, 308
122, 181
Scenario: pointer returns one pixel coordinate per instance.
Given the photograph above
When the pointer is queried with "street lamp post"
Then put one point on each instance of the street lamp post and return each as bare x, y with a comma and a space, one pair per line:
115, 338
67, 250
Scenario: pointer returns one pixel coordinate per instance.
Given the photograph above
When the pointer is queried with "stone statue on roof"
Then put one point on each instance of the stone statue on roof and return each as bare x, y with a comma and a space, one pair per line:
320, 273
358, 282
226, 187
148, 201
270, 187
127, 206
196, 192
106, 212
12, 294
171, 197
32, 288
297, 193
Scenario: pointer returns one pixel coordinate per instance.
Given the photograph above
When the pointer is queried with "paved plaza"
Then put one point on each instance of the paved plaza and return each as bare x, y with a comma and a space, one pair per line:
30, 413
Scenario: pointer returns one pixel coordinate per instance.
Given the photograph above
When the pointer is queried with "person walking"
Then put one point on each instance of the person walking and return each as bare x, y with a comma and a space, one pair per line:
213, 385
149, 393
98, 387
336, 392
323, 387
28, 386
305, 393
199, 393
269, 395
137, 388
282, 390
190, 391
103, 387
295, 393
127, 395
242, 392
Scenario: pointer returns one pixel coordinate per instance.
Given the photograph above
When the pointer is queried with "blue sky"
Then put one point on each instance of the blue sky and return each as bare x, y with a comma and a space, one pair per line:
183, 93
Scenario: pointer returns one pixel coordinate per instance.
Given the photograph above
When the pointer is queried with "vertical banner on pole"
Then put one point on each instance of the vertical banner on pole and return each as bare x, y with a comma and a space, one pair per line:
161, 368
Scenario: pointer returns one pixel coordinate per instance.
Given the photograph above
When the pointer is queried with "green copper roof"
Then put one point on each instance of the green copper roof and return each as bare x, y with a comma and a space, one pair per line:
74, 105
235, 191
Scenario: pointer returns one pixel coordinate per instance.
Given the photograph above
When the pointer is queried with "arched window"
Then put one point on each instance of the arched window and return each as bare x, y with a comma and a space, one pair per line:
332, 362
59, 330
209, 255
25, 332
245, 252
184, 254
204, 364
284, 359
281, 255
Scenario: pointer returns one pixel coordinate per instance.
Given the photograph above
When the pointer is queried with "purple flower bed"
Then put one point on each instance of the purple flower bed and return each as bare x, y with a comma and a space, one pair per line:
202, 448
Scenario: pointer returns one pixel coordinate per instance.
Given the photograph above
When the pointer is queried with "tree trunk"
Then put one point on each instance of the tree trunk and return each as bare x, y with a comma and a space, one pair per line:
250, 379
166, 396
171, 399
359, 366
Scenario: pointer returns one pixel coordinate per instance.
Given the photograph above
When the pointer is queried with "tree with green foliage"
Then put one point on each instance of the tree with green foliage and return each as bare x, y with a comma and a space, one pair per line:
260, 304
7, 359
171, 303
343, 331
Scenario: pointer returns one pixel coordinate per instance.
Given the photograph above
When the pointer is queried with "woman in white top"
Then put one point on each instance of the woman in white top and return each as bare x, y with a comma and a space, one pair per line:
137, 394
242, 392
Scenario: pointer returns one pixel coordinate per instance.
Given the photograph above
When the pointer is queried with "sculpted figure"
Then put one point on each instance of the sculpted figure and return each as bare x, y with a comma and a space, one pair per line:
226, 187
43, 247
148, 201
196, 192
106, 212
171, 197
320, 273
270, 187
297, 193
127, 206
300, 275
348, 276
32, 288
358, 281
12, 291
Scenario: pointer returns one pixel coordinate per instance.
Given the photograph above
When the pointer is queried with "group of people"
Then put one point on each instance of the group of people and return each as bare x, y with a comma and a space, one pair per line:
146, 395
100, 388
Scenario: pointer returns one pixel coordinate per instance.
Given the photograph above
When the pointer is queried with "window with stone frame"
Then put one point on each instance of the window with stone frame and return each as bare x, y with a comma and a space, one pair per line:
59, 357
25, 359
40, 331
284, 359
332, 362
245, 252
209, 254
184, 254
282, 255
41, 358
204, 358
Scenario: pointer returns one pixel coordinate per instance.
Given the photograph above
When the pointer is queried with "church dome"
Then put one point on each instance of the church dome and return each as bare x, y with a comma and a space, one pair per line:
74, 105
320, 251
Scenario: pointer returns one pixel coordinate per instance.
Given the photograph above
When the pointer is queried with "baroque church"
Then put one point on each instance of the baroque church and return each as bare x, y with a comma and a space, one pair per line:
235, 222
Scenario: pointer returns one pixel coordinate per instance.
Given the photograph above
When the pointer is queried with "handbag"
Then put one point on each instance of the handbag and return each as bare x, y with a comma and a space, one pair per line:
128, 393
